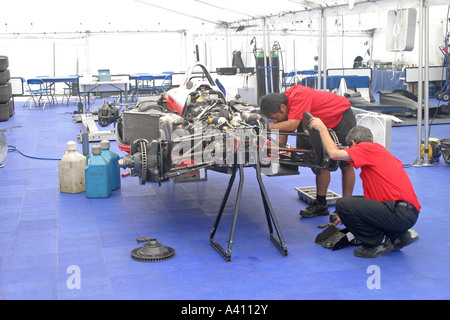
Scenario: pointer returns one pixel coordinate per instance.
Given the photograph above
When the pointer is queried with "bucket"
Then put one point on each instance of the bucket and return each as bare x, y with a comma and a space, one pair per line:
72, 170
98, 182
114, 164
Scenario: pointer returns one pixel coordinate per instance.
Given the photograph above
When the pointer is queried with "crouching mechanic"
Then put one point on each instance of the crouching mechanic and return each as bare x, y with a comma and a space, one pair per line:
381, 219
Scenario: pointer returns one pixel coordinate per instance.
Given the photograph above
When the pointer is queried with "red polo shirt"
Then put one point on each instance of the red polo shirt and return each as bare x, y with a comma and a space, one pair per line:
382, 174
325, 105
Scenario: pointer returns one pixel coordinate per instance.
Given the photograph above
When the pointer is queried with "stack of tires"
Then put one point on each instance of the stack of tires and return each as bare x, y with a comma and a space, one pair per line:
6, 104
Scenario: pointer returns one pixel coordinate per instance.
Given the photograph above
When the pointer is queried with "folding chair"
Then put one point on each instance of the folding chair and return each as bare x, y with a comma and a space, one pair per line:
50, 86
165, 85
38, 91
145, 84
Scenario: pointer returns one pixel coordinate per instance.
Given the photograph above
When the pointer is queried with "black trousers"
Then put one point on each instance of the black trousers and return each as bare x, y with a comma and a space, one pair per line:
369, 220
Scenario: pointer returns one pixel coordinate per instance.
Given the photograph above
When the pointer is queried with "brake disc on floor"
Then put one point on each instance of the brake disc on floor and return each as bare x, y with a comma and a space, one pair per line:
152, 251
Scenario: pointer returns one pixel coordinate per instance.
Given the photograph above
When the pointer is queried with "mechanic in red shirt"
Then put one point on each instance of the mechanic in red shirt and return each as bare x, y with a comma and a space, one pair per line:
286, 110
381, 219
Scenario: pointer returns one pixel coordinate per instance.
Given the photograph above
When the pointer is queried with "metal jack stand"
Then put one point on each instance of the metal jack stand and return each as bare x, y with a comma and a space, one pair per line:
279, 242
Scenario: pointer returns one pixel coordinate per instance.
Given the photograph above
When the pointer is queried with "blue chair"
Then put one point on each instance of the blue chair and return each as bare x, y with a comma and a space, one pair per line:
145, 84
165, 84
50, 86
38, 93
289, 79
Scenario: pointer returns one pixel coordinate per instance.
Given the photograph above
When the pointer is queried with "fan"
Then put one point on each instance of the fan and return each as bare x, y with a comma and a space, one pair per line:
401, 28
377, 125
3, 148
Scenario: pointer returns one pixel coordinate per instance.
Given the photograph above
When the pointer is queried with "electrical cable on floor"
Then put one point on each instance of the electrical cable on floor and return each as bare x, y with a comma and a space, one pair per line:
13, 148
407, 165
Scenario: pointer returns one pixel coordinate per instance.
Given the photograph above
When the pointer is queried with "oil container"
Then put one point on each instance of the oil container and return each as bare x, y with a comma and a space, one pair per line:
114, 164
72, 170
98, 182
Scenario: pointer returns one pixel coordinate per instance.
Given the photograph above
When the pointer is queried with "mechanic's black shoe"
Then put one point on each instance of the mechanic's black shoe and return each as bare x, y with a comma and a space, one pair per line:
366, 252
406, 239
314, 210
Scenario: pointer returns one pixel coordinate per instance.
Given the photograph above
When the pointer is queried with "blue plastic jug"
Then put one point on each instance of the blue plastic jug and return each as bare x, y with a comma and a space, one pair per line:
114, 164
98, 181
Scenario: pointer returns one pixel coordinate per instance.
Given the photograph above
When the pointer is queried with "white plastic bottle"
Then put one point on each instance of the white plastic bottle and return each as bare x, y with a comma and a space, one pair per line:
72, 170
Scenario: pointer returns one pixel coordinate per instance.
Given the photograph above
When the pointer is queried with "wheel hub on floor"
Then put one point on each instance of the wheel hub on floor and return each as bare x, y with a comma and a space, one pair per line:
152, 251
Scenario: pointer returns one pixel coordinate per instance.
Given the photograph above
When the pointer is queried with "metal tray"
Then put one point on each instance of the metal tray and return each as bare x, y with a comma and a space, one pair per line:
308, 194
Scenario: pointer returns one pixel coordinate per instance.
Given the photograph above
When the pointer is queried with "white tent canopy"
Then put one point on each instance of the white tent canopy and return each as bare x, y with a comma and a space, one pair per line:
52, 16
111, 15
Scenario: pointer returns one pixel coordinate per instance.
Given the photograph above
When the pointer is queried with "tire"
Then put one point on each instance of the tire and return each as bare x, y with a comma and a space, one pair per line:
11, 108
4, 111
5, 92
4, 63
4, 76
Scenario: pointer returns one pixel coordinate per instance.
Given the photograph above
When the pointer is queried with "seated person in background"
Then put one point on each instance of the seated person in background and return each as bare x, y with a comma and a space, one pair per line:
381, 219
286, 110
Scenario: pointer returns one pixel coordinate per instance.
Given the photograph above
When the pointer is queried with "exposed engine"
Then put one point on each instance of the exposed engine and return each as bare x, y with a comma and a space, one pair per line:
210, 133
